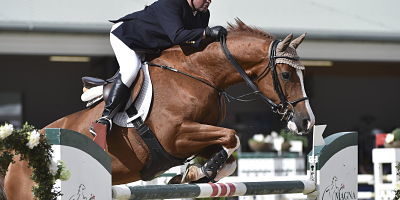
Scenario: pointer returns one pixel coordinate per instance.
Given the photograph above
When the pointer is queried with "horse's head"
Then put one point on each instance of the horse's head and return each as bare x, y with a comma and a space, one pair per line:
275, 72
288, 83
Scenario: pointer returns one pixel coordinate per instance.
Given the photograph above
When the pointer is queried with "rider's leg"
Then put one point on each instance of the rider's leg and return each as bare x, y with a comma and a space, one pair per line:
129, 64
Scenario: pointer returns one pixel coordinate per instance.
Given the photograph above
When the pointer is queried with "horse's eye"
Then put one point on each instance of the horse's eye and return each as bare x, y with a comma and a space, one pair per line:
286, 76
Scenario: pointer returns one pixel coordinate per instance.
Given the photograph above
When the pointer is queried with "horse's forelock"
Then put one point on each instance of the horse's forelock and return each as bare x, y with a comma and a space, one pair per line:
241, 27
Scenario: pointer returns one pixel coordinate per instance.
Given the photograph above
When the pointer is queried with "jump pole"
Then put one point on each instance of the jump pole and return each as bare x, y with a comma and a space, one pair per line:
211, 190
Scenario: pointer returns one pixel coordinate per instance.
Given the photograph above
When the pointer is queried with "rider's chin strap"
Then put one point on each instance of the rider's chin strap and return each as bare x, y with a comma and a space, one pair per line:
194, 7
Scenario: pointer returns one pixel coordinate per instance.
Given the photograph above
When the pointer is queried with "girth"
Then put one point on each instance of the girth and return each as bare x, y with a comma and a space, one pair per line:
159, 160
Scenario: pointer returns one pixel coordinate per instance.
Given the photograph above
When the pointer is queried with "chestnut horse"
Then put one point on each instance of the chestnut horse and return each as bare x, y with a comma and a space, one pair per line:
185, 111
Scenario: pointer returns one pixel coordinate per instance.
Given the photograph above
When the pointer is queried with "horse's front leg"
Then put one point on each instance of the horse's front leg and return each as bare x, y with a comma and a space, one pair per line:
194, 138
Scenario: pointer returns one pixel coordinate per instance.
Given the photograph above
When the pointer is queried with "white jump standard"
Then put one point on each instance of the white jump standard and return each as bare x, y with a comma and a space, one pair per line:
332, 173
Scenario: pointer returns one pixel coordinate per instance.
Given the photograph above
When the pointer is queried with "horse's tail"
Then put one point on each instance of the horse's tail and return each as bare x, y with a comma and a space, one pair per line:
2, 192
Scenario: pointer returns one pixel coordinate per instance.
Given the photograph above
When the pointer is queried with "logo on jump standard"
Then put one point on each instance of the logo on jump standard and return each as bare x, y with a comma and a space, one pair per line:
335, 192
81, 194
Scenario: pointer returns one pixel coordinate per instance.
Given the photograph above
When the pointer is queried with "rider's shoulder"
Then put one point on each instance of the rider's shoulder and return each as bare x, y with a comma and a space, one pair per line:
170, 2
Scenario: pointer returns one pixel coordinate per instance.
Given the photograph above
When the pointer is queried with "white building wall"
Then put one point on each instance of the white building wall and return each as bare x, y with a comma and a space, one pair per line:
309, 15
337, 29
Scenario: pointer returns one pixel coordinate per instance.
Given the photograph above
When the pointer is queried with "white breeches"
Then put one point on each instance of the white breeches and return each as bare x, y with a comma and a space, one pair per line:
129, 62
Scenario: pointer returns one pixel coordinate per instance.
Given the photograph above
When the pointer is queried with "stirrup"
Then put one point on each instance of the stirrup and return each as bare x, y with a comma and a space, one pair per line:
109, 121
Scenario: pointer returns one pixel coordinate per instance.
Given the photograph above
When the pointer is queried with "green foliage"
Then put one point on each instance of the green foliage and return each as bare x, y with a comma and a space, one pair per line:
396, 134
288, 136
39, 160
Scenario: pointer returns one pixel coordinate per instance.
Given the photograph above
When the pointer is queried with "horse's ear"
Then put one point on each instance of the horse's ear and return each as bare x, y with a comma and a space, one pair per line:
285, 43
296, 42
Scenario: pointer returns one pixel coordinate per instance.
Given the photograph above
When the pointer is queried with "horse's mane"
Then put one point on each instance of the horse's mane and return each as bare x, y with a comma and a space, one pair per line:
241, 28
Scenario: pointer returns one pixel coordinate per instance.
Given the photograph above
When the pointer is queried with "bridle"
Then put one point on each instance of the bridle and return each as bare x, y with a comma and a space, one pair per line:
285, 108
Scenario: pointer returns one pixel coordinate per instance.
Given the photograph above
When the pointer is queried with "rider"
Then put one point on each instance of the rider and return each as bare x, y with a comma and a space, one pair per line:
161, 25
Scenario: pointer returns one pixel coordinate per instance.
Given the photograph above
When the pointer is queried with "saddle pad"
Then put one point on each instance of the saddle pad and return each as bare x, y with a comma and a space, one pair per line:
92, 93
142, 102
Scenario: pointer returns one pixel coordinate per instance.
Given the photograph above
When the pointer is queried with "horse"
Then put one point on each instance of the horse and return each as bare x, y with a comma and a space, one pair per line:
186, 110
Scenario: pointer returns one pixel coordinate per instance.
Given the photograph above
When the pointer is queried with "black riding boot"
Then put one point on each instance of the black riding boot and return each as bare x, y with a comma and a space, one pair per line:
116, 101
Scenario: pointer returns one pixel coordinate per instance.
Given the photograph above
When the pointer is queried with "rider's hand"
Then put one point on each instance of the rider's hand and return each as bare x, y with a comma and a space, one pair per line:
215, 32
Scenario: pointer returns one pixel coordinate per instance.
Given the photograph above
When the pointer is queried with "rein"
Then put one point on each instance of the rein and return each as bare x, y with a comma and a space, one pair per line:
220, 91
285, 108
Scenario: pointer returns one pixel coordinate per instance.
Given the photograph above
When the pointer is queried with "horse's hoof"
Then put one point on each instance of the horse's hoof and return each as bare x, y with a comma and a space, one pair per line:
176, 179
192, 173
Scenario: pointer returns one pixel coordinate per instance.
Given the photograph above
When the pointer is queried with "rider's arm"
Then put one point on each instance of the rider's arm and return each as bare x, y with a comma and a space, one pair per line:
169, 14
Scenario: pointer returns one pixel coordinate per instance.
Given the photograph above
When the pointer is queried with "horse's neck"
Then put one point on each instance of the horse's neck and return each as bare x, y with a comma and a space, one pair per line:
212, 65
208, 64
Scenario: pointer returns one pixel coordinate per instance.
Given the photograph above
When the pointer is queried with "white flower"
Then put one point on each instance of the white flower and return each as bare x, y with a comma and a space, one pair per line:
53, 167
274, 134
6, 130
268, 139
258, 137
278, 143
34, 139
389, 138
65, 173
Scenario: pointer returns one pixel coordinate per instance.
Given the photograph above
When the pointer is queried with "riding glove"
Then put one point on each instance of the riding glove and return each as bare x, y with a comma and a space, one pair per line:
215, 32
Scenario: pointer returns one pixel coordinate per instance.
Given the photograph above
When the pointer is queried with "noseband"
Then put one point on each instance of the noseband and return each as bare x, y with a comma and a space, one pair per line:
285, 108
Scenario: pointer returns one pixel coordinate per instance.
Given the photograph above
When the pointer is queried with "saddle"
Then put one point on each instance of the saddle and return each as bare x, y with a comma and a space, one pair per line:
159, 160
106, 85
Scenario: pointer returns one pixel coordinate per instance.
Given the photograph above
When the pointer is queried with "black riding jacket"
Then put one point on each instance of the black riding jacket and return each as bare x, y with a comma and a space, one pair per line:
163, 24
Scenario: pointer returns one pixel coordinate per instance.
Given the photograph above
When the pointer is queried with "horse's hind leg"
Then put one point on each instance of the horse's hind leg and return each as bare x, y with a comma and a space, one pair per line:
195, 138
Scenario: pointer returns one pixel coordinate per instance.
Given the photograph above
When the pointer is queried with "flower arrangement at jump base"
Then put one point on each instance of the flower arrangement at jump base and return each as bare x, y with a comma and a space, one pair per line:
392, 139
30, 145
